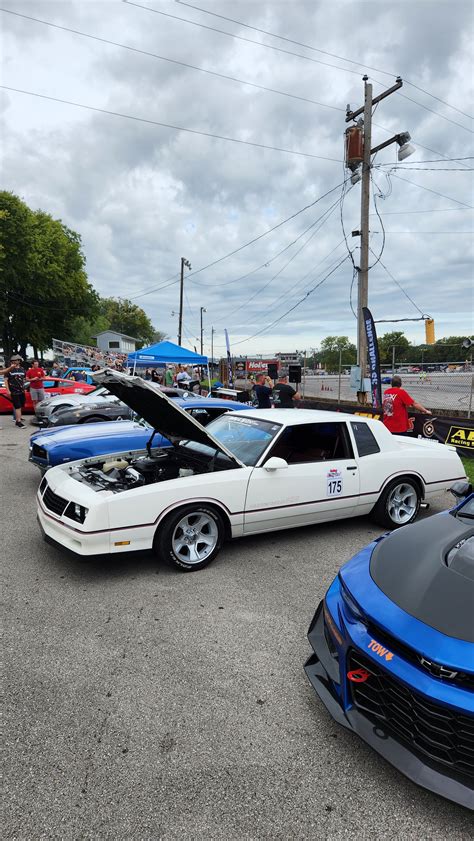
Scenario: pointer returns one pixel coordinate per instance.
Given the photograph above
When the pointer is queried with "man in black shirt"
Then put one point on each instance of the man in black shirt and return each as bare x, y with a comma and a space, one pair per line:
15, 388
263, 392
285, 394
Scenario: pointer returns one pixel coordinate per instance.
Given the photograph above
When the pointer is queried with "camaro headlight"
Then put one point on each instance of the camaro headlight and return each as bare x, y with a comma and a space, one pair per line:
352, 609
76, 512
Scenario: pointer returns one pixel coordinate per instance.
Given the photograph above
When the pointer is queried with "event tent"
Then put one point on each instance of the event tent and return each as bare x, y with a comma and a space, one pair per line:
165, 353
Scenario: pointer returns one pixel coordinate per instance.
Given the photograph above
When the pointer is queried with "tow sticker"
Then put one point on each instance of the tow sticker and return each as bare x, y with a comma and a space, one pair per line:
380, 650
334, 482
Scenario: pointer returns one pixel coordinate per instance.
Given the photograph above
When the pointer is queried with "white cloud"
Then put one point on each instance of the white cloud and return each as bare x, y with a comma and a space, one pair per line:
142, 196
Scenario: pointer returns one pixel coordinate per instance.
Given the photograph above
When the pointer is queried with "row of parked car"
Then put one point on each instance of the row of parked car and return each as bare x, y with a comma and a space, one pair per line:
393, 639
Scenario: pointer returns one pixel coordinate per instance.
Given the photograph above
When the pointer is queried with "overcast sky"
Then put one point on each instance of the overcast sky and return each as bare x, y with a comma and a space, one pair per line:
143, 195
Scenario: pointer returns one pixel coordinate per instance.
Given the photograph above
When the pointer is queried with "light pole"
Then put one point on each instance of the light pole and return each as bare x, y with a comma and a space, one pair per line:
203, 309
184, 263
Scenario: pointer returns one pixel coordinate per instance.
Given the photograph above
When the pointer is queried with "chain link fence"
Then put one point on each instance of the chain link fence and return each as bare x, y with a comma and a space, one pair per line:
451, 387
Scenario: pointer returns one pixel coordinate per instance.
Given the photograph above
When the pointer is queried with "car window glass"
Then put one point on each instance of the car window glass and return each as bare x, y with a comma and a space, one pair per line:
312, 442
246, 438
365, 439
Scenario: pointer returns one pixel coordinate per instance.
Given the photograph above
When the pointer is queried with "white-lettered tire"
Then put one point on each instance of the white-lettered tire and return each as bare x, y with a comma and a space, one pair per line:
399, 503
191, 537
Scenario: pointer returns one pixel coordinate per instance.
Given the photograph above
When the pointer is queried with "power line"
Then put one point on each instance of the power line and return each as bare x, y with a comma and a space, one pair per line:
171, 60
429, 190
200, 69
289, 52
428, 210
434, 233
400, 286
428, 168
327, 213
157, 288
167, 125
241, 341
323, 52
238, 37
252, 241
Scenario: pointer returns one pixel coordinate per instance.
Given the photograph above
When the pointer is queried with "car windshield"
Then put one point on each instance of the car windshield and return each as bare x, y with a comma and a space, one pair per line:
247, 438
467, 509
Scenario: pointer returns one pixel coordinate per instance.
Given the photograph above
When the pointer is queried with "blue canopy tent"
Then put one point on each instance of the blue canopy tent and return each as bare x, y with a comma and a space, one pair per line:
165, 353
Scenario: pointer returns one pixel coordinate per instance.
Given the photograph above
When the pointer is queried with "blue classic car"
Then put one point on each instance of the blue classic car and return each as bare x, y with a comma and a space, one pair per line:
68, 443
393, 649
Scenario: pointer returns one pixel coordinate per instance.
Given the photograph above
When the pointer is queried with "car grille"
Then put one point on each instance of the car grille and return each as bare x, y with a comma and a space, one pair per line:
463, 679
54, 502
445, 737
39, 452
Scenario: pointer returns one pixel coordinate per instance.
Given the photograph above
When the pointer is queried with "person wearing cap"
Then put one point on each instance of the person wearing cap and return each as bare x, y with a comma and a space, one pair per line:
15, 388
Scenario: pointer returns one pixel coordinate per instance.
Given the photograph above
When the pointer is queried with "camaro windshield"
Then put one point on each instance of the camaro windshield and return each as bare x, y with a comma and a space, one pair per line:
467, 510
246, 438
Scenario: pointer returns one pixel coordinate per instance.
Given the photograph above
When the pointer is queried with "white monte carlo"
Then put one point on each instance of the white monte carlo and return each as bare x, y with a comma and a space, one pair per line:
259, 471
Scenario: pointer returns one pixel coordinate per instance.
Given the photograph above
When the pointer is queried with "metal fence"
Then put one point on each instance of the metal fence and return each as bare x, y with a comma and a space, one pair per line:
449, 389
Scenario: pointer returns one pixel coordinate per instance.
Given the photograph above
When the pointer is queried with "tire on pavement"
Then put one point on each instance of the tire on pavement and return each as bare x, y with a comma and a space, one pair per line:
190, 537
399, 503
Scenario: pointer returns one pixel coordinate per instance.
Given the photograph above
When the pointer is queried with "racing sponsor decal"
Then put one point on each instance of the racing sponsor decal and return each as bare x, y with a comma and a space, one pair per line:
380, 650
461, 436
334, 482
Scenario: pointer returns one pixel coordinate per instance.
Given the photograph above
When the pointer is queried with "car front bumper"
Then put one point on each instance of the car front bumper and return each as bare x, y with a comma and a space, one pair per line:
321, 669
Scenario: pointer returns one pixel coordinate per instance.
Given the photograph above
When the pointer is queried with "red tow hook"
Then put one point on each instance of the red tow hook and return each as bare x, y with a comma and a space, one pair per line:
358, 675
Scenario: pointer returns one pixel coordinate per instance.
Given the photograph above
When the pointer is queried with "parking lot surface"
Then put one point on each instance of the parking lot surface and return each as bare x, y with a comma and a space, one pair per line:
143, 703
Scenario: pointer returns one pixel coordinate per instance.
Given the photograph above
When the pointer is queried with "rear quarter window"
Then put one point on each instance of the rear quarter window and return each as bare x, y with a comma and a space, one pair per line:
365, 439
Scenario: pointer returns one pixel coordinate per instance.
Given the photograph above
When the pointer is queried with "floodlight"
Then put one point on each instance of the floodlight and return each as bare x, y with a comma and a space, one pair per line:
405, 151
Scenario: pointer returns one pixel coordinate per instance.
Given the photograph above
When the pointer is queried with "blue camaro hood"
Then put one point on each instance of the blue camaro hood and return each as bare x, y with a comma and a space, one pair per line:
399, 582
68, 434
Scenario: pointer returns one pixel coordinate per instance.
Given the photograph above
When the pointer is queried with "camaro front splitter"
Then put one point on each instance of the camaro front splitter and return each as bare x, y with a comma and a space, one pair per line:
319, 668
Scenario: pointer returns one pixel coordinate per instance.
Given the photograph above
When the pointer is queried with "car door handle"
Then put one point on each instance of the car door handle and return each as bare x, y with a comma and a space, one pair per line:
351, 468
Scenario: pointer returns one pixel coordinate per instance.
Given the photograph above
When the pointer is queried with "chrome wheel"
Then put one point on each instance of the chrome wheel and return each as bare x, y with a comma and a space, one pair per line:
195, 537
402, 503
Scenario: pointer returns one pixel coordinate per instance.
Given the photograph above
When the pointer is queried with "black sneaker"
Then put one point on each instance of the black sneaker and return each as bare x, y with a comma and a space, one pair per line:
20, 425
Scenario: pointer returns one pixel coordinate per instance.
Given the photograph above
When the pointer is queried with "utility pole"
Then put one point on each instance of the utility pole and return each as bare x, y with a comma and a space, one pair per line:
184, 263
212, 347
203, 309
363, 269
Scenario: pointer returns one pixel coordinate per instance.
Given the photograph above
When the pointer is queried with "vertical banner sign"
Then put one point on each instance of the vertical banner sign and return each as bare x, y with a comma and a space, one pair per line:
374, 361
229, 359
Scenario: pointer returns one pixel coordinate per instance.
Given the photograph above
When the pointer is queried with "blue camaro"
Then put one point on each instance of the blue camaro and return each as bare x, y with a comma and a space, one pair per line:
68, 443
393, 644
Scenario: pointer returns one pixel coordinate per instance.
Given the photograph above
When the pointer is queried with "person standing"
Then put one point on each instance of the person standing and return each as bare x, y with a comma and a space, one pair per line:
285, 393
15, 388
169, 377
263, 390
395, 404
36, 375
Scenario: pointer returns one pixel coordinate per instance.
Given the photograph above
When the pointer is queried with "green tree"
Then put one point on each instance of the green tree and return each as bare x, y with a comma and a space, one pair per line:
334, 348
43, 280
128, 318
396, 339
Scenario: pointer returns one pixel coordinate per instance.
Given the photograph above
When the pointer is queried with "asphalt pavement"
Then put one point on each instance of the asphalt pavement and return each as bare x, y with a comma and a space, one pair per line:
143, 703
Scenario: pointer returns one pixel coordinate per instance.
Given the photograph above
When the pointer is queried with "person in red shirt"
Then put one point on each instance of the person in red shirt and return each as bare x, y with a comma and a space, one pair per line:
36, 375
395, 404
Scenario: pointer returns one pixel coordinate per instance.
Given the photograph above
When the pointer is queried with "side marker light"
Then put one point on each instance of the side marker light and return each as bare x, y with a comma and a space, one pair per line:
122, 543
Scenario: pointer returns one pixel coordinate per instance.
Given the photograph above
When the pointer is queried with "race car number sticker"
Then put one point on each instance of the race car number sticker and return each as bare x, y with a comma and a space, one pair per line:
334, 483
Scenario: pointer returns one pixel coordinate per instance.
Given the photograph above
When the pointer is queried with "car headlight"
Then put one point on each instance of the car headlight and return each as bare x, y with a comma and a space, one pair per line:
76, 512
352, 610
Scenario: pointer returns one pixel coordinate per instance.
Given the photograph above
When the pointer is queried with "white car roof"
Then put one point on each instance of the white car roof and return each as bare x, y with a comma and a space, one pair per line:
299, 416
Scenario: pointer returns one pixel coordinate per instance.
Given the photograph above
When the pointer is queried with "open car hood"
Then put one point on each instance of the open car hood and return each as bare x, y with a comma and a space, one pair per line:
162, 413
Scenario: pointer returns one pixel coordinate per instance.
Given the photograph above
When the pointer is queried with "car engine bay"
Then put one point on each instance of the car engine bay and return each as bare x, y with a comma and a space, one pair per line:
122, 473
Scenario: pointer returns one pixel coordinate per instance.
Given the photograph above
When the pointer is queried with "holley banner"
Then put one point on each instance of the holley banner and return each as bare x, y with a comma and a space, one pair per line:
374, 360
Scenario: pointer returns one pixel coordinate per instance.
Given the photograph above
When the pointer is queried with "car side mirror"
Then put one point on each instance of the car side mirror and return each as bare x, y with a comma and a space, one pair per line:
275, 463
460, 489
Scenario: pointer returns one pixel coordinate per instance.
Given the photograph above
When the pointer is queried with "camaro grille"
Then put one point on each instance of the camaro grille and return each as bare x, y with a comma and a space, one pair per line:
54, 502
463, 679
445, 737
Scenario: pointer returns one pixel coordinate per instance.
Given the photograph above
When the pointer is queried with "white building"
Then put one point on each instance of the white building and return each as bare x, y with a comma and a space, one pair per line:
110, 340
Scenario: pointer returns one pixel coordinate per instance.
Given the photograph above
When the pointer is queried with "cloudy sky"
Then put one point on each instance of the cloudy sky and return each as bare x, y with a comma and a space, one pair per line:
143, 193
